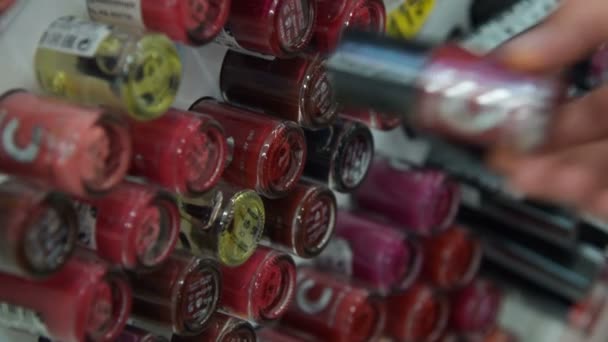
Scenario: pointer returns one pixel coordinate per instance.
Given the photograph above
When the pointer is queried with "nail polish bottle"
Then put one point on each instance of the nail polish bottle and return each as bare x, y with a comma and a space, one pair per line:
261, 289
134, 226
475, 307
81, 302
451, 259
304, 221
371, 118
295, 89
418, 315
193, 22
282, 334
39, 230
339, 156
226, 221
78, 150
183, 152
331, 309
267, 155
445, 90
279, 28
223, 328
335, 16
134, 334
98, 64
379, 256
181, 295
423, 202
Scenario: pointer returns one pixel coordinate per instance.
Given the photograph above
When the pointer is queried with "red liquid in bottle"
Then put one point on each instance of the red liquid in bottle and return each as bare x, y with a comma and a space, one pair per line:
294, 89
39, 230
268, 155
81, 302
334, 16
223, 328
262, 288
279, 28
134, 225
332, 310
304, 221
420, 314
182, 294
181, 151
193, 22
451, 259
78, 150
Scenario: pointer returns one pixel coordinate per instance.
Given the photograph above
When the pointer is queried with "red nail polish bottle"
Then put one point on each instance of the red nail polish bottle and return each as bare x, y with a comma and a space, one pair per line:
223, 328
295, 89
268, 154
333, 310
39, 230
418, 315
372, 118
421, 202
379, 256
182, 294
339, 156
282, 334
279, 28
451, 259
181, 151
475, 307
262, 288
81, 302
134, 334
78, 150
304, 221
334, 16
192, 22
133, 226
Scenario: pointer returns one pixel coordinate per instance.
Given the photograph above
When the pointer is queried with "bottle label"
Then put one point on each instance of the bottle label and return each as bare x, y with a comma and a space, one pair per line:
310, 299
293, 21
356, 161
225, 38
23, 319
317, 222
408, 19
336, 257
20, 152
201, 293
74, 36
87, 221
120, 12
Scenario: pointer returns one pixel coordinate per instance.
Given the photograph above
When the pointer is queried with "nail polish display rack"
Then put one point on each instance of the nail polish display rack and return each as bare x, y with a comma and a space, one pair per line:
534, 306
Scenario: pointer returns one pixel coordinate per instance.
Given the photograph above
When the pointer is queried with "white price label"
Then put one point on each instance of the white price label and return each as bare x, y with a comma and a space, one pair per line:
120, 12
74, 36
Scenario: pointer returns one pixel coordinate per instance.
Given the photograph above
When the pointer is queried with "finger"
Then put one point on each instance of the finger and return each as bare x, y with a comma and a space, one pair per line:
582, 121
598, 206
570, 177
570, 34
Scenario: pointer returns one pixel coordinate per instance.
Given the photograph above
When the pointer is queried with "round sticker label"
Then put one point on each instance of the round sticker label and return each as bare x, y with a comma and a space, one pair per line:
408, 18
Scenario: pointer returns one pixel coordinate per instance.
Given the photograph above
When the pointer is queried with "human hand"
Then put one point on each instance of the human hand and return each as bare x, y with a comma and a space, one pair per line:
572, 167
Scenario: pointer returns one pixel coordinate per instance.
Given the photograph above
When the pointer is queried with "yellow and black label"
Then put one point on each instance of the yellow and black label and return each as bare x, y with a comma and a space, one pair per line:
408, 19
